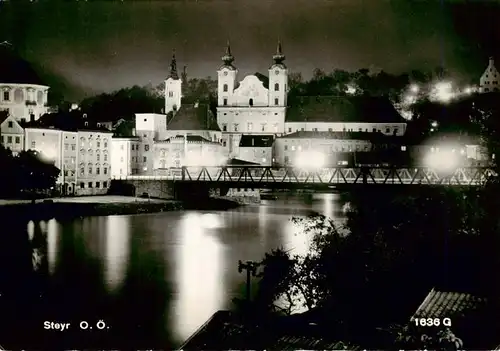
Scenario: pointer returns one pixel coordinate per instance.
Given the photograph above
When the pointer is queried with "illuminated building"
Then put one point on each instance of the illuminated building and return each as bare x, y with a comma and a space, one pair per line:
257, 149
489, 81
81, 153
255, 105
344, 114
186, 150
125, 156
22, 94
288, 149
12, 134
149, 127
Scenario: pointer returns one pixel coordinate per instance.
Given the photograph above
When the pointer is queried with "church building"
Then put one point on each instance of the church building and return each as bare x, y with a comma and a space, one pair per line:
254, 105
489, 81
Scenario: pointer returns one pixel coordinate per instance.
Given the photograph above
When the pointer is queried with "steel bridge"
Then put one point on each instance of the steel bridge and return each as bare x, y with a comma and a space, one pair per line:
290, 177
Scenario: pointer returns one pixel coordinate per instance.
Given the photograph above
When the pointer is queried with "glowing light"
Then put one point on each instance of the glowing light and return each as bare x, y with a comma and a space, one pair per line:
414, 88
310, 160
49, 153
468, 90
434, 124
117, 250
442, 92
410, 99
199, 276
351, 90
442, 160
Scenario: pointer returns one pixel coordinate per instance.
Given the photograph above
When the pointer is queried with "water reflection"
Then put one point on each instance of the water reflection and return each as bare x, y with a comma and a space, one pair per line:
200, 275
117, 251
53, 233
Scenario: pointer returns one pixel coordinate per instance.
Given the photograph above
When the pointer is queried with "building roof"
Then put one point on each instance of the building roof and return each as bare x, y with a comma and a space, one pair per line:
263, 78
256, 141
190, 139
226, 331
194, 117
343, 109
440, 304
370, 136
15, 70
72, 121
238, 162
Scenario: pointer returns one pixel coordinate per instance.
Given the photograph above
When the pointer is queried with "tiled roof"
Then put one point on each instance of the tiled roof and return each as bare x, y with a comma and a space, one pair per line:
224, 331
190, 138
15, 70
68, 121
238, 162
194, 117
3, 116
343, 109
371, 136
256, 141
440, 304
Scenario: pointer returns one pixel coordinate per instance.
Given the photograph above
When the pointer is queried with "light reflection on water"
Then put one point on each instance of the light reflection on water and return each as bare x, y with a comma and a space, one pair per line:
195, 254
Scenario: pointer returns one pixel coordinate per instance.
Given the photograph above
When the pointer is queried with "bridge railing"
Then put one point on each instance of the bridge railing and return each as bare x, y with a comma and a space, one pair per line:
334, 175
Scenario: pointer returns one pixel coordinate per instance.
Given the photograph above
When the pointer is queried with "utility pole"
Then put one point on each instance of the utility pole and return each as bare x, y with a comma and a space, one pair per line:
251, 269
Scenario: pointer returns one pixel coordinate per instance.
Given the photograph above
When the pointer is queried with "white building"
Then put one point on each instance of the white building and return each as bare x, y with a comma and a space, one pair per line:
12, 134
252, 106
173, 90
344, 114
150, 127
82, 156
125, 159
22, 94
194, 119
187, 150
257, 149
489, 81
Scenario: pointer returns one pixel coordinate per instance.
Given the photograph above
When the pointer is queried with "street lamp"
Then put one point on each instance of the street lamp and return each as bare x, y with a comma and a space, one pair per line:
251, 268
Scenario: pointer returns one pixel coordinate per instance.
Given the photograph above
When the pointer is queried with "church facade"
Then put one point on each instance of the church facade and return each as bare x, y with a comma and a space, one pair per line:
252, 106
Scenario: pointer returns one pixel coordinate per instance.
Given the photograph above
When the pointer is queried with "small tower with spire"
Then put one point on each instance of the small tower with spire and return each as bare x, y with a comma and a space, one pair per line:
226, 78
278, 79
490, 80
173, 88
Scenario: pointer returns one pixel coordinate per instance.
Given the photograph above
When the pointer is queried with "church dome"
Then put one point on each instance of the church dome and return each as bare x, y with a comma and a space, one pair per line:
15, 70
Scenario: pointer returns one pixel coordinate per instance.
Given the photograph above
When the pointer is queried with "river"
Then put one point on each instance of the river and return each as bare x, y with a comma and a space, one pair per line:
155, 279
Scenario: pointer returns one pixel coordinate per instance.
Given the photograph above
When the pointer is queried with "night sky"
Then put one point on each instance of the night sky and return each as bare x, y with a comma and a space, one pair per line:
105, 45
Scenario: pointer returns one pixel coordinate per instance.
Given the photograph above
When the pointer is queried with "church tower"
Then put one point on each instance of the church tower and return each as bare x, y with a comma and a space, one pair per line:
173, 88
278, 79
226, 78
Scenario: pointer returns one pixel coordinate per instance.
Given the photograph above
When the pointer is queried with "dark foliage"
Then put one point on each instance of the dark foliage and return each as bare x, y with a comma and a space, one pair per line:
28, 174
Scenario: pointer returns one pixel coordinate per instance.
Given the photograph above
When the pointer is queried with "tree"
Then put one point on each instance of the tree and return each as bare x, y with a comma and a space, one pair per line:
34, 173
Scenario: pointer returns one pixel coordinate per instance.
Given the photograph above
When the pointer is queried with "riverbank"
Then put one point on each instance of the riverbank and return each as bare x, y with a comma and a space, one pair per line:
76, 207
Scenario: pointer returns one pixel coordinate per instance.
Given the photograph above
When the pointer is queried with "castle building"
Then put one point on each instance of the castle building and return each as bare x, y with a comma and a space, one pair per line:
252, 105
22, 93
489, 81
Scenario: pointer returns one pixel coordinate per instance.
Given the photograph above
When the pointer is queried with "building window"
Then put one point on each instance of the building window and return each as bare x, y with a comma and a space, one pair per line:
374, 130
276, 101
97, 184
97, 170
224, 143
105, 144
286, 160
82, 171
82, 185
289, 130
90, 185
6, 95
98, 157
224, 88
236, 127
144, 159
387, 130
403, 148
33, 144
90, 169
315, 129
104, 184
98, 144
276, 87
301, 129
146, 147
105, 158
18, 140
105, 170
224, 127
11, 124
250, 127
225, 102
250, 102
286, 147
170, 94
9, 140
